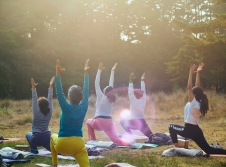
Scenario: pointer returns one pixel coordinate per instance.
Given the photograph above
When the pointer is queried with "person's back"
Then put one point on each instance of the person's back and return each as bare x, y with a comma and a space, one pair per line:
105, 100
137, 100
69, 140
42, 109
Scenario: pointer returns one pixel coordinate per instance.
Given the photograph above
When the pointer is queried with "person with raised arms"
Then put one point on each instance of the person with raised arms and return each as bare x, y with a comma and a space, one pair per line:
69, 140
104, 104
137, 98
42, 110
196, 107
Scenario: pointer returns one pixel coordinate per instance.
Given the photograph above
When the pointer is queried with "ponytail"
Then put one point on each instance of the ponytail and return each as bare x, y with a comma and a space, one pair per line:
204, 104
202, 99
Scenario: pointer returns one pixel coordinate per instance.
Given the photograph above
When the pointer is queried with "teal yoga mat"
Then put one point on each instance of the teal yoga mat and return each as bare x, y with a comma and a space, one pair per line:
140, 145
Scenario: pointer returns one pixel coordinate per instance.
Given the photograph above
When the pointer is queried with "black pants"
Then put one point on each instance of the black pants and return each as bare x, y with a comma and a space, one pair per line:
195, 133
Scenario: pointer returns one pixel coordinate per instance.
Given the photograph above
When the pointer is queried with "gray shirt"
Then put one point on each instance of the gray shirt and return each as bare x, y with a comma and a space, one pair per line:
40, 122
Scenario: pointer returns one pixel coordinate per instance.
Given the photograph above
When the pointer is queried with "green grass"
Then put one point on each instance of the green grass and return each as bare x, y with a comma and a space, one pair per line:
137, 157
161, 110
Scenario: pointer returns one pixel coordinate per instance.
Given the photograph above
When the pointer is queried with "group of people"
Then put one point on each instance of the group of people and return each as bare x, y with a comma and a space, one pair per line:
69, 140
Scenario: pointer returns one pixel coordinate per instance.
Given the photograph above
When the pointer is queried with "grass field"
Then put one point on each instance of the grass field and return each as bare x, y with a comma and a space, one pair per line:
161, 110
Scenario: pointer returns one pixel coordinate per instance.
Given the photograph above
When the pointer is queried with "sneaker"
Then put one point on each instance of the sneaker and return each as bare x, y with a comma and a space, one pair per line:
218, 146
34, 151
212, 145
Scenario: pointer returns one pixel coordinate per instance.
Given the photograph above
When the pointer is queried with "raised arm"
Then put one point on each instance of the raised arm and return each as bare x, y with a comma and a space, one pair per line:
50, 94
85, 90
130, 89
34, 95
143, 83
97, 80
189, 87
199, 69
111, 81
58, 86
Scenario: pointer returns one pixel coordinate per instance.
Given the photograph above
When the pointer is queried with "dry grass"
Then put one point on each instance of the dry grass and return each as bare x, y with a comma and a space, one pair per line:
161, 110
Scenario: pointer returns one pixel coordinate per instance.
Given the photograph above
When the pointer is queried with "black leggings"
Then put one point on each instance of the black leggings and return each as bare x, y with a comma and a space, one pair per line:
195, 133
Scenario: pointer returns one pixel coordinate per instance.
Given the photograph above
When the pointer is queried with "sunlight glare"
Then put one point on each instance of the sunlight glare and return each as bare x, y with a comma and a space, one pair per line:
125, 114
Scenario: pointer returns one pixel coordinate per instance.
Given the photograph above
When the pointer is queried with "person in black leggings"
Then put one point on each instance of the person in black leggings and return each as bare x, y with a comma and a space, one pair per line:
196, 107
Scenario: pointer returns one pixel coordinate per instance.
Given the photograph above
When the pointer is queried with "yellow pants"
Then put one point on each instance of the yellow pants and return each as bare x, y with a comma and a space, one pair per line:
73, 145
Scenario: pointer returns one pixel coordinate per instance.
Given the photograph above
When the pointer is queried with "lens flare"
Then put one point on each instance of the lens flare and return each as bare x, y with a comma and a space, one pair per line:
125, 114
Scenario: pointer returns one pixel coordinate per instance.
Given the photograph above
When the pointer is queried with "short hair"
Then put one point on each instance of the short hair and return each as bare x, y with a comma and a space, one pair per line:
138, 93
43, 105
75, 94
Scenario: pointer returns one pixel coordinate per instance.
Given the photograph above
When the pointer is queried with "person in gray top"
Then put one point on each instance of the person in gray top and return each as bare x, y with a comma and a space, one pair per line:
42, 109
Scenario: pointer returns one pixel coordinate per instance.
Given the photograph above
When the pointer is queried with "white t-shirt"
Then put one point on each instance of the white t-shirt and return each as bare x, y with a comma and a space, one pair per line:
103, 106
192, 112
137, 106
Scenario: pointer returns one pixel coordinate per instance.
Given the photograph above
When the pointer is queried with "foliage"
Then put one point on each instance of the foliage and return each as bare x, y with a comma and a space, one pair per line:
204, 42
142, 36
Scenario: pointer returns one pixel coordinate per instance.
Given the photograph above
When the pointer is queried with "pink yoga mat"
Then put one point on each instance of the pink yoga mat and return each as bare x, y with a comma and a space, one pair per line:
13, 139
217, 155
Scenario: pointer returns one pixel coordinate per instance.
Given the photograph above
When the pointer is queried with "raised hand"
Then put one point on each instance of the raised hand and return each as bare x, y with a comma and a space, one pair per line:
114, 67
33, 84
86, 67
101, 66
200, 68
192, 69
143, 76
51, 82
131, 77
58, 68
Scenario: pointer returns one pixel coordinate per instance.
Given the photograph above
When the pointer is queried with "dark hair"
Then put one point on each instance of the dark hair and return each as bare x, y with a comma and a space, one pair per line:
138, 93
202, 99
109, 92
75, 94
43, 105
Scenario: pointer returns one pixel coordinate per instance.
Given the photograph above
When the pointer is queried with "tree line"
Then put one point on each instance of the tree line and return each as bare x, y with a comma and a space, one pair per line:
161, 38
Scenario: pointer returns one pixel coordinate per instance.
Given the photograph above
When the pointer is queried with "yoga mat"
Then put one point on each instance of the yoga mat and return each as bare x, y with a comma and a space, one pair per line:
13, 139
120, 165
89, 146
46, 153
11, 160
59, 165
69, 165
18, 152
102, 144
140, 137
140, 145
217, 155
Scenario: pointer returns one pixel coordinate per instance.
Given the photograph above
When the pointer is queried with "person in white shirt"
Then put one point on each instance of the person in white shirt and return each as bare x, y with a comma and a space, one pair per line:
104, 104
137, 99
196, 107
